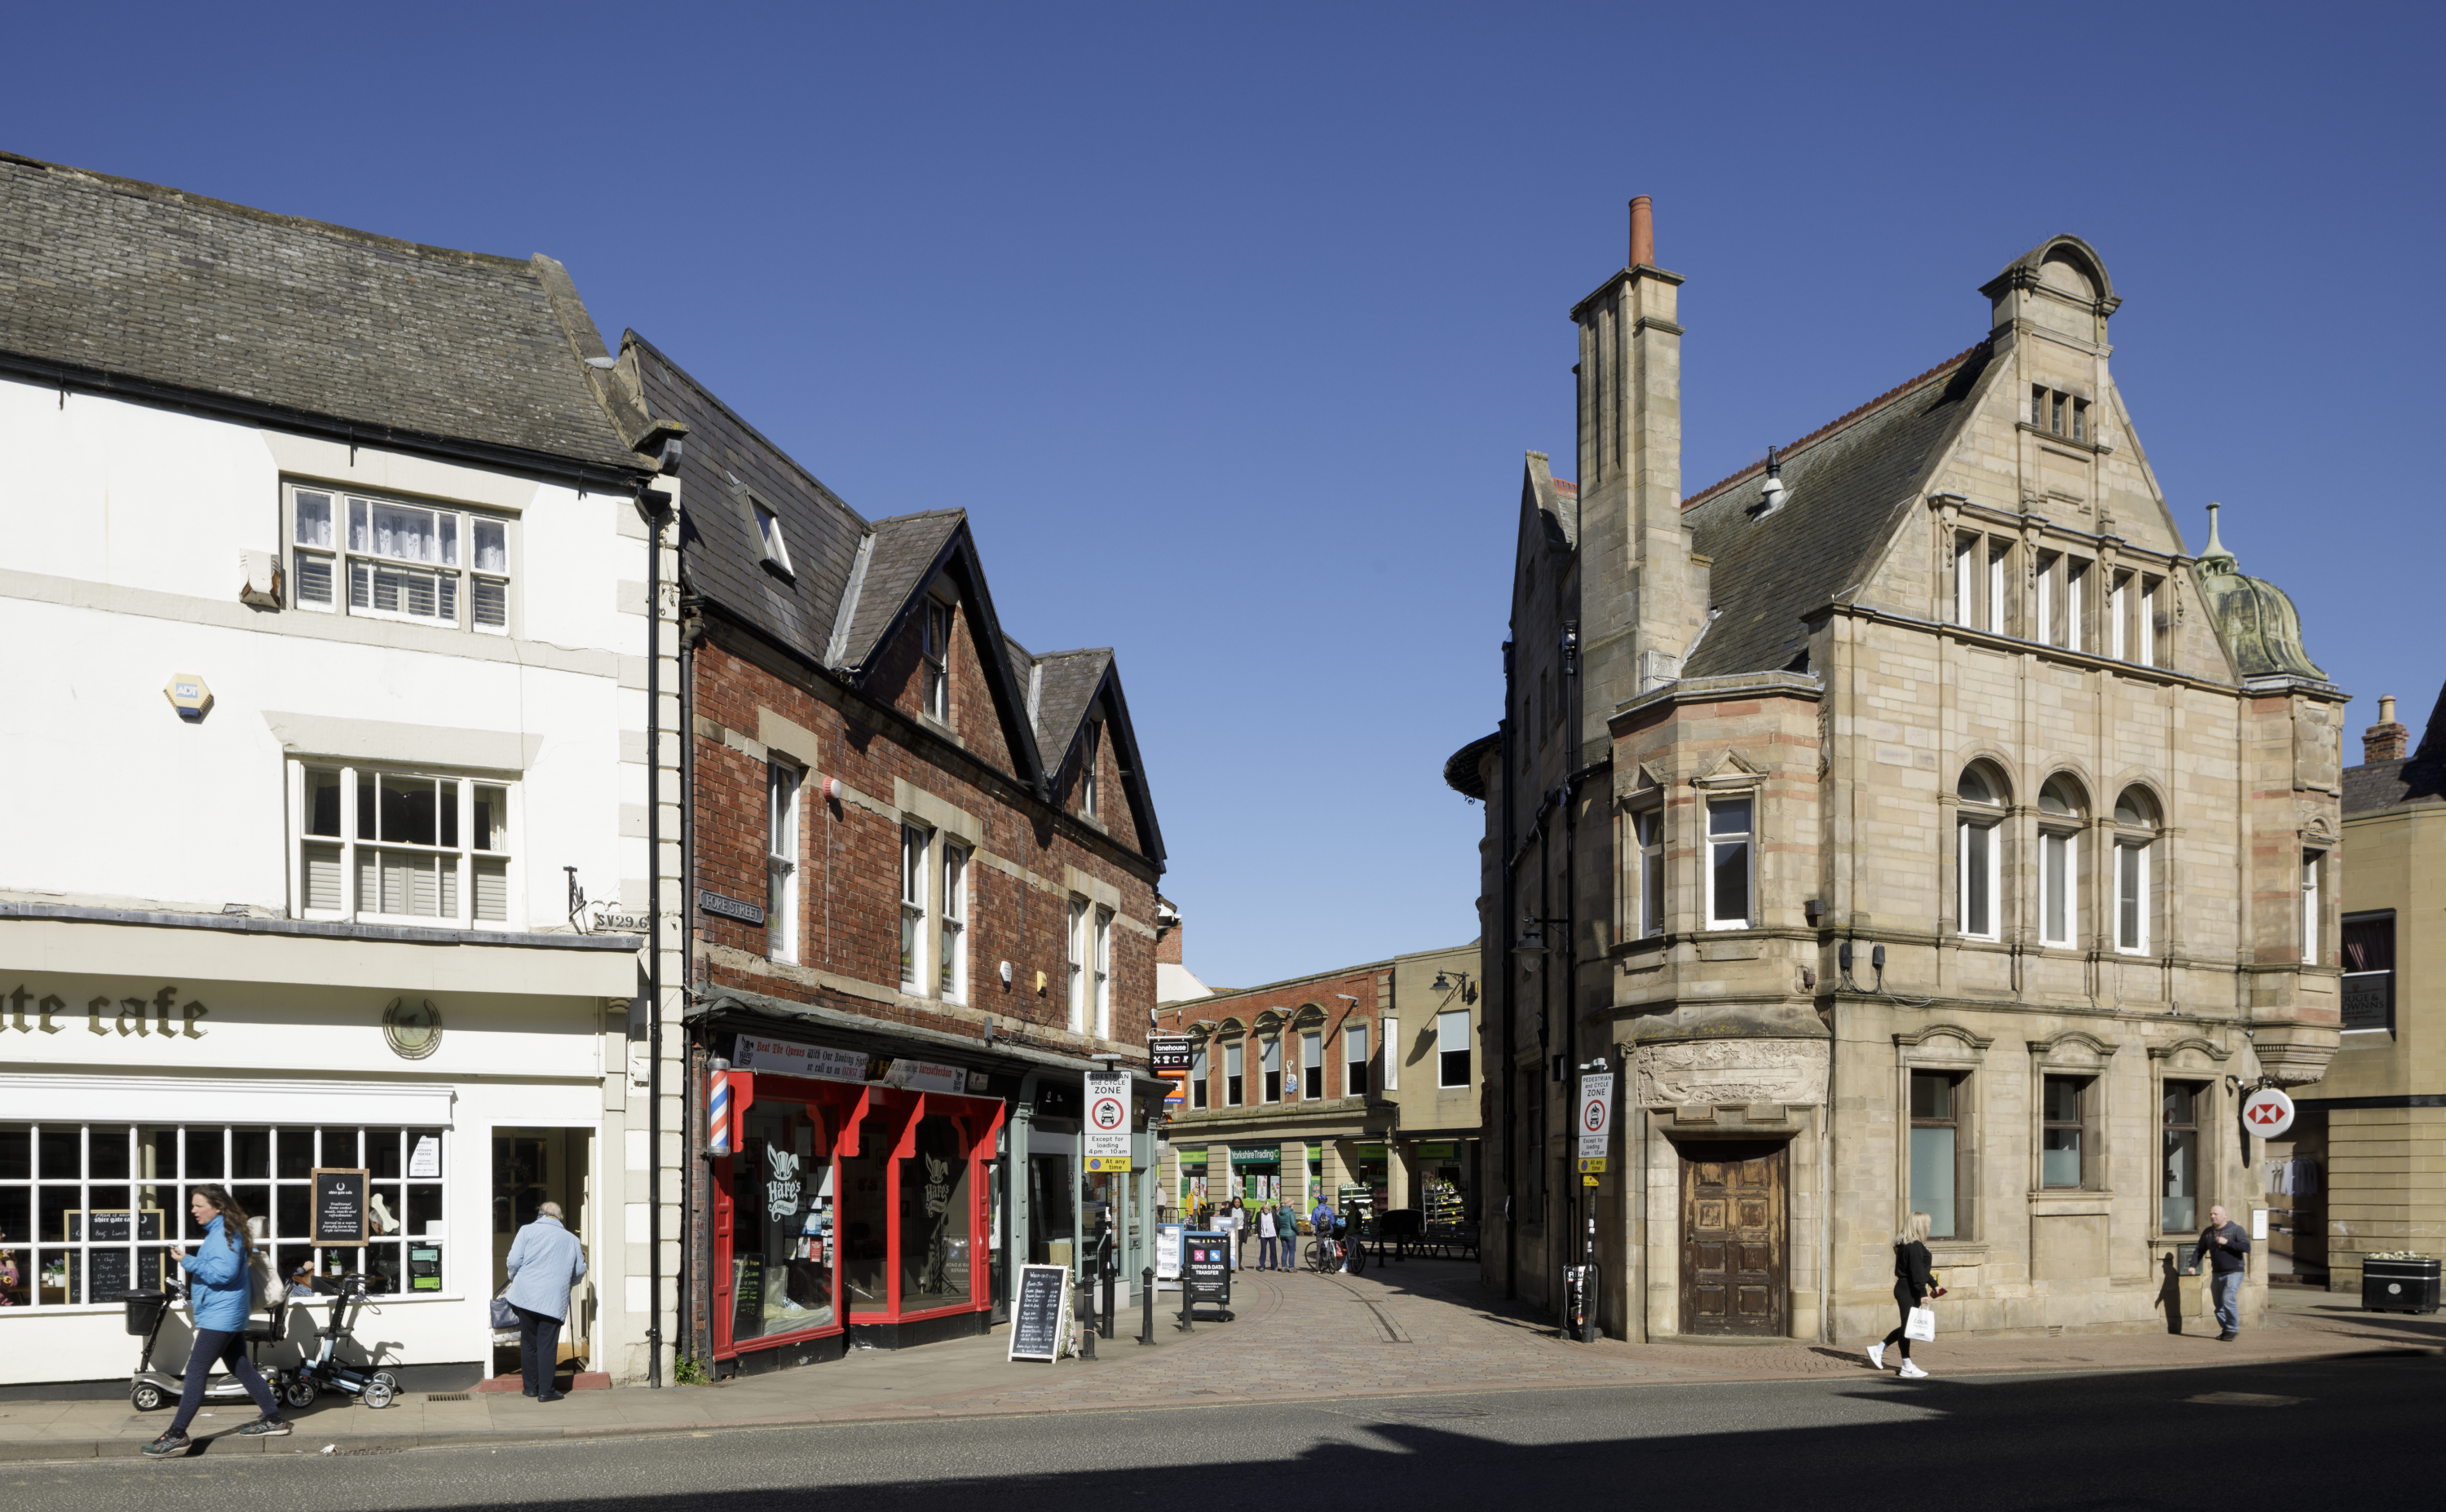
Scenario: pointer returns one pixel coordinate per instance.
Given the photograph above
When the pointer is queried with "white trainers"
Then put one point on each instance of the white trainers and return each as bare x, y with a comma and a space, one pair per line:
1910, 1371
1877, 1355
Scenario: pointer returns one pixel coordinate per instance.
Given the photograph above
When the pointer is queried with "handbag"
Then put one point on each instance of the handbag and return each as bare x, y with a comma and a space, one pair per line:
504, 1316
1921, 1325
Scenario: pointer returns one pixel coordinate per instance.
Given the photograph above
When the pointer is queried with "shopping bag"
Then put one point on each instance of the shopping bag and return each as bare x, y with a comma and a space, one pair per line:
1922, 1325
506, 1317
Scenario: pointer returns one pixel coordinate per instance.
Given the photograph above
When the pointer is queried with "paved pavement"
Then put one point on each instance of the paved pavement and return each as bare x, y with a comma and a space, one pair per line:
2350, 1432
1420, 1327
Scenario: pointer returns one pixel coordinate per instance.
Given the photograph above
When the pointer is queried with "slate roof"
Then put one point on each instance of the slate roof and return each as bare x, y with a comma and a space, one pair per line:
2419, 777
117, 285
852, 580
1846, 483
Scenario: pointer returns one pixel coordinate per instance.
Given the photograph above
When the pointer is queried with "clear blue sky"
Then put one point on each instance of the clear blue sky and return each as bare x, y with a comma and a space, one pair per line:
1228, 329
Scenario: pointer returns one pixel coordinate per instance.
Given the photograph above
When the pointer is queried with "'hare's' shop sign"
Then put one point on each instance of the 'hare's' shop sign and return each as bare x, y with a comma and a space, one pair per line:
129, 1016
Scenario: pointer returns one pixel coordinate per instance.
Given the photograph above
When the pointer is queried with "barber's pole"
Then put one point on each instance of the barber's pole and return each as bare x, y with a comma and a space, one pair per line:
717, 1114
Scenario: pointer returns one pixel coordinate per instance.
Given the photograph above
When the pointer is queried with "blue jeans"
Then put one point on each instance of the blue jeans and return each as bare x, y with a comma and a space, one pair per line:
2227, 1291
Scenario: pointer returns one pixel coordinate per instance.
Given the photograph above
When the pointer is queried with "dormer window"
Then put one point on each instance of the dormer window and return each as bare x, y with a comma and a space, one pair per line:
768, 536
935, 646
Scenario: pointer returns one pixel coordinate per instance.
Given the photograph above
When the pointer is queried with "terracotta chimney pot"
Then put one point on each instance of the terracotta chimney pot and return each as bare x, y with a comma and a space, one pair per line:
1643, 234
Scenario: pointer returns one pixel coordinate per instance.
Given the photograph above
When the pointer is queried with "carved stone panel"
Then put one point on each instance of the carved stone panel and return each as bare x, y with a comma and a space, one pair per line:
1718, 1072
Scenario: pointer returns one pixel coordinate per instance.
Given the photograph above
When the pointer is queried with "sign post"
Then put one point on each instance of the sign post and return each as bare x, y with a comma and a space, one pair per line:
1104, 1140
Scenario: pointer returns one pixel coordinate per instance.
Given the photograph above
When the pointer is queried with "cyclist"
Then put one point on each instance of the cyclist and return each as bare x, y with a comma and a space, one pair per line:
1322, 1221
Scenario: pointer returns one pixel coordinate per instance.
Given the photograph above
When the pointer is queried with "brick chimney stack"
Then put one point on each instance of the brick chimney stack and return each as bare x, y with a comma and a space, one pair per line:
1167, 934
2386, 739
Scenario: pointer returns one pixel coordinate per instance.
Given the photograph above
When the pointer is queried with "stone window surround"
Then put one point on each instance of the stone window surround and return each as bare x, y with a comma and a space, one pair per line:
1734, 779
2073, 1052
2210, 1117
1945, 1047
2095, 879
2032, 534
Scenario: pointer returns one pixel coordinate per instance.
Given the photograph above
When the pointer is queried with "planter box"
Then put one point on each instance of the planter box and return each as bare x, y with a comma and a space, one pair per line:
2400, 1286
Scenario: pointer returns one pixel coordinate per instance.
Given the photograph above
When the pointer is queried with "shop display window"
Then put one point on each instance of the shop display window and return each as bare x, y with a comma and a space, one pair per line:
90, 1210
847, 1205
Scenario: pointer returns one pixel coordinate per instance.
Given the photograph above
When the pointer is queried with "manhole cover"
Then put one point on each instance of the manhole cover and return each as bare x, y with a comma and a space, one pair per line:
2245, 1399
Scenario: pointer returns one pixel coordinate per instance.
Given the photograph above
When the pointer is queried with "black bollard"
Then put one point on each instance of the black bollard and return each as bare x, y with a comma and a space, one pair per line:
1146, 1305
1086, 1324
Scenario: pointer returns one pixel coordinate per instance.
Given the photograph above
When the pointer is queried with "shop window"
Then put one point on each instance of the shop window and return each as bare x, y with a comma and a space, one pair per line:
781, 862
1354, 1061
1451, 1048
90, 1210
1729, 851
401, 847
1979, 835
914, 845
1270, 1058
398, 561
1936, 1151
782, 1238
2178, 1207
937, 1240
1231, 1083
2369, 971
2063, 1106
1312, 1064
954, 931
1199, 1069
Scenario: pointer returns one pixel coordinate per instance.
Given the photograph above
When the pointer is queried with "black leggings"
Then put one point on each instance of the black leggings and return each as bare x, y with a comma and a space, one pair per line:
1906, 1304
217, 1347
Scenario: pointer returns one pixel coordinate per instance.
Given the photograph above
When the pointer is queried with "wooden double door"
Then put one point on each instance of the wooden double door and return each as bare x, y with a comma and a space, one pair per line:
1735, 1221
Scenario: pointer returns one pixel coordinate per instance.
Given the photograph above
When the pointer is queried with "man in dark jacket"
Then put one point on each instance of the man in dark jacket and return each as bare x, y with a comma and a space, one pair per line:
2227, 1248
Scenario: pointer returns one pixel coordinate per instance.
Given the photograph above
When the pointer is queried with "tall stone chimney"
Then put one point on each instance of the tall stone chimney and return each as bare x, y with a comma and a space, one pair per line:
2385, 741
1635, 597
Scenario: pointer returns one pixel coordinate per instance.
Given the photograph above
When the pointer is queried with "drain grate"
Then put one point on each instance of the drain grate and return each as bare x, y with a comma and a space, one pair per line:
445, 1396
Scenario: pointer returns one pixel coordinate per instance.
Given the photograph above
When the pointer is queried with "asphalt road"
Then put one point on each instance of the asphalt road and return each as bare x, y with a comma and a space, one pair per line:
2361, 1433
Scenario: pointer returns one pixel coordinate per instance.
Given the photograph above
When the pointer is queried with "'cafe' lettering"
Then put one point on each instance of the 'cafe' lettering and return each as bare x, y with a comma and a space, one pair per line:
129, 1015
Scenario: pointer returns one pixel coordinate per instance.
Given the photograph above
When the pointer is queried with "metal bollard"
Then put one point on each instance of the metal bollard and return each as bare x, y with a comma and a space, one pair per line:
1086, 1323
1111, 1273
1146, 1305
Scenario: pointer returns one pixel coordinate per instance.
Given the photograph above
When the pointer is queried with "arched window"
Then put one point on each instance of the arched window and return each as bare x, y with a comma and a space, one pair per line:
2062, 805
1979, 850
2136, 838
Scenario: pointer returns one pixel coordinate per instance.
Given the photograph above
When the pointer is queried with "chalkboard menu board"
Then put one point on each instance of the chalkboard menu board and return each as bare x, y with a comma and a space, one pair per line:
114, 1225
339, 1205
746, 1295
110, 1276
1036, 1318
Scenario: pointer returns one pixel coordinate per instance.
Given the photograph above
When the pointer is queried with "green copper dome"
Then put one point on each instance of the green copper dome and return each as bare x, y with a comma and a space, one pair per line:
2259, 623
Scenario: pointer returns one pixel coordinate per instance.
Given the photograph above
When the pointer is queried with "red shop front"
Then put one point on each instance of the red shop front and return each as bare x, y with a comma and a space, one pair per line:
850, 1208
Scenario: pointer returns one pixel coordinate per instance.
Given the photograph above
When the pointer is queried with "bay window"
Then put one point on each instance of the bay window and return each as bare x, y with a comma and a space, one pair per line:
1729, 851
401, 846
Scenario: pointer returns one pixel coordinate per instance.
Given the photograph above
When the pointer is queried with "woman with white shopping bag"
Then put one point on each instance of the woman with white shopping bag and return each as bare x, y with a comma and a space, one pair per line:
1914, 1288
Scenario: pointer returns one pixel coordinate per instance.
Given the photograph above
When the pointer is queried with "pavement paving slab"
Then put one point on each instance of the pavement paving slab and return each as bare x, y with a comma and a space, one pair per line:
1422, 1327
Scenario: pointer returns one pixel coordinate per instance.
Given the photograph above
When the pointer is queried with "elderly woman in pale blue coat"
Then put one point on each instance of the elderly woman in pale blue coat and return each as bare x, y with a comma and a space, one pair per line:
545, 1262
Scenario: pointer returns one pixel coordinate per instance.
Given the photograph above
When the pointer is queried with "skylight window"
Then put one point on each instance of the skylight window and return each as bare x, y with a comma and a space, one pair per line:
768, 532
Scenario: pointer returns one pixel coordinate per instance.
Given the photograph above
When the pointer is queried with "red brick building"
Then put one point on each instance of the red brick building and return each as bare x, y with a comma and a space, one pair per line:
922, 863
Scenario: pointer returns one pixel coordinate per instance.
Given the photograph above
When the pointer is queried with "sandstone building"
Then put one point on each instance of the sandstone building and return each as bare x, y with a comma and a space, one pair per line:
1914, 821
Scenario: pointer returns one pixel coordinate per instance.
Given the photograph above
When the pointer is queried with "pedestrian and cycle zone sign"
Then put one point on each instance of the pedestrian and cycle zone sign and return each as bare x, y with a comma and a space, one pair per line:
1595, 1123
1105, 1141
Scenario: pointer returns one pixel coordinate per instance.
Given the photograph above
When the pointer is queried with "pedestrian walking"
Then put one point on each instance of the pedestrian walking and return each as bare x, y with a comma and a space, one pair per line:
1265, 1239
221, 1295
2227, 1248
545, 1262
1914, 1286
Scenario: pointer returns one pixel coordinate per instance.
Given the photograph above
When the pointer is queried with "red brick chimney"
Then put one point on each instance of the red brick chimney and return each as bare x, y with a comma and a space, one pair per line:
2386, 739
1643, 234
1167, 935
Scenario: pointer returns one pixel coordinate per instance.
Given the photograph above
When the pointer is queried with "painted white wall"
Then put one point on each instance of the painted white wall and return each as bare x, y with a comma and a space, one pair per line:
126, 524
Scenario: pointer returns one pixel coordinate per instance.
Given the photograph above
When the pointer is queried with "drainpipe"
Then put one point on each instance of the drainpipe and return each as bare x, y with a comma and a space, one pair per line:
1509, 980
691, 631
654, 507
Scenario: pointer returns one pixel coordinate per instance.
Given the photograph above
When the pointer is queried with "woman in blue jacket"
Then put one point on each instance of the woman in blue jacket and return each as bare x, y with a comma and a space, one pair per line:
220, 1293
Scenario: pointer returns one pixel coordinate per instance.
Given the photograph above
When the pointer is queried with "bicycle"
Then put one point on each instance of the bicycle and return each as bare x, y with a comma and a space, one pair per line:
1321, 1257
